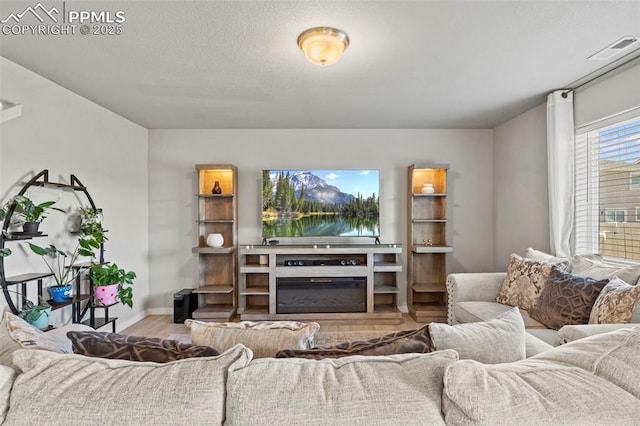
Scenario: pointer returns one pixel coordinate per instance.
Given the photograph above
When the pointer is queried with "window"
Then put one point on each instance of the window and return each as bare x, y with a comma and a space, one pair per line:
607, 189
614, 215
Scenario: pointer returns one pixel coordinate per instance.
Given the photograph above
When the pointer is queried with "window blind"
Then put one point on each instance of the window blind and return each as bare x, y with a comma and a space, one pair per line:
608, 190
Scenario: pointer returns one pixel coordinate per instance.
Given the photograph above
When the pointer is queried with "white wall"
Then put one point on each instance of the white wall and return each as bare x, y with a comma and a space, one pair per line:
172, 187
605, 97
520, 193
67, 134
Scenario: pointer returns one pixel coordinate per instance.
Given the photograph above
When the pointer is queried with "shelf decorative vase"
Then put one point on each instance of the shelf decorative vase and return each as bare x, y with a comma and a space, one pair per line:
60, 294
215, 240
43, 321
427, 188
216, 188
106, 294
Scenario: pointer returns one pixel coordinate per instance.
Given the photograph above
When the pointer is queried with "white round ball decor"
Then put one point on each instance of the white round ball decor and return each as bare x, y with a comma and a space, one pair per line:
215, 240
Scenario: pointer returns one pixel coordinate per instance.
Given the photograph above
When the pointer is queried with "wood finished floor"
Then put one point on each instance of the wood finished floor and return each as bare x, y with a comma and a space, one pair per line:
162, 326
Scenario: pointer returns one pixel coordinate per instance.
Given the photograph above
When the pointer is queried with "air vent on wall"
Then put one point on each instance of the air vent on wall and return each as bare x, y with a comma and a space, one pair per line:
625, 43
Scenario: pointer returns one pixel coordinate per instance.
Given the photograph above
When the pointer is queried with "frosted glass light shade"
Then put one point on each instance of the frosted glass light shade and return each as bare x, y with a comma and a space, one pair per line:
323, 45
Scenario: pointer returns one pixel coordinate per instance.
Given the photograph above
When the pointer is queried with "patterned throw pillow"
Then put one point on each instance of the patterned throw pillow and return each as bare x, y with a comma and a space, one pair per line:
615, 304
133, 348
524, 283
264, 338
30, 337
566, 299
401, 342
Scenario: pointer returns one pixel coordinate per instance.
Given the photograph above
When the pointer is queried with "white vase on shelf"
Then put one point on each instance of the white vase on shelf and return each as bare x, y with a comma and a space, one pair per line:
215, 240
427, 188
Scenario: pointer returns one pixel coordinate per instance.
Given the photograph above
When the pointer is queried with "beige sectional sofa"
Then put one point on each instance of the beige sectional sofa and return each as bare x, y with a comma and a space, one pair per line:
473, 297
589, 381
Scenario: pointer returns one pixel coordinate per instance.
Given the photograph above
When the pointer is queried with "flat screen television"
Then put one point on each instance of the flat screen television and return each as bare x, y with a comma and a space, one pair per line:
320, 203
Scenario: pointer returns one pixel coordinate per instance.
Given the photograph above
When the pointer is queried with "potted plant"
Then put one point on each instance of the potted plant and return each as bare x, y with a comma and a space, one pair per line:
36, 315
60, 263
111, 282
29, 213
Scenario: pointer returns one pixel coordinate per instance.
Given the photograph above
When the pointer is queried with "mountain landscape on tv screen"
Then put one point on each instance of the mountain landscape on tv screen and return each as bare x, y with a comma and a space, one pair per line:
304, 204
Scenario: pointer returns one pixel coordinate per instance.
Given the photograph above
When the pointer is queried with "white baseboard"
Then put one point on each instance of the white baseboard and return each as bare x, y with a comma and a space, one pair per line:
160, 311
122, 324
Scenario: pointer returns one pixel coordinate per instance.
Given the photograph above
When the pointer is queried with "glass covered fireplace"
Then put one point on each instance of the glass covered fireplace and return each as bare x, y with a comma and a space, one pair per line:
321, 294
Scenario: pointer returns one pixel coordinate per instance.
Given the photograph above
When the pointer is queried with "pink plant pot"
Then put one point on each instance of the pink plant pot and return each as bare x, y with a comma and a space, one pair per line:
107, 294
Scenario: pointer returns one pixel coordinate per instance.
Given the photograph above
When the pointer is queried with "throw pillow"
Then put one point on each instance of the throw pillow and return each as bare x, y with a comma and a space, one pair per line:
491, 342
541, 256
614, 356
134, 348
615, 304
407, 341
566, 299
533, 391
73, 389
524, 282
264, 338
29, 337
7, 376
390, 390
7, 344
587, 266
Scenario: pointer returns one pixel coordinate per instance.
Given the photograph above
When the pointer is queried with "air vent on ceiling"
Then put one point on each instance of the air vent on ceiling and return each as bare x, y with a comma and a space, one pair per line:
615, 48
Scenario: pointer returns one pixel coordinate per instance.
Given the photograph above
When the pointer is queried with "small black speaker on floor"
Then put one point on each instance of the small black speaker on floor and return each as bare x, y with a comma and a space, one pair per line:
184, 303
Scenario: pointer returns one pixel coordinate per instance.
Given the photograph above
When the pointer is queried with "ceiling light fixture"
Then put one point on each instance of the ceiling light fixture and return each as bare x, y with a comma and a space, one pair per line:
323, 45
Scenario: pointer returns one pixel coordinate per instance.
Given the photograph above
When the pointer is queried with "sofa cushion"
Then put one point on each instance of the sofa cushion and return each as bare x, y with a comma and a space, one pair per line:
483, 311
566, 299
613, 356
541, 256
356, 390
7, 344
547, 335
616, 303
569, 333
587, 266
134, 348
524, 283
501, 339
533, 391
265, 338
7, 376
537, 345
73, 389
400, 342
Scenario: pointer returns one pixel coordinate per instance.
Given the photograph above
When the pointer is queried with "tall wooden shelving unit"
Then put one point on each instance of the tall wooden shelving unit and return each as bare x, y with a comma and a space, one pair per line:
217, 266
427, 236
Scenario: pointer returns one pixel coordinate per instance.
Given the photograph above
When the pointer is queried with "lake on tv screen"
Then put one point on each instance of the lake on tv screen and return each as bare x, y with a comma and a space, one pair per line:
320, 203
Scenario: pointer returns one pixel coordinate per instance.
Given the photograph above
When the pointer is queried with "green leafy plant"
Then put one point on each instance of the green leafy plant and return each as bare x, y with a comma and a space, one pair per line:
30, 312
104, 275
91, 221
59, 262
27, 210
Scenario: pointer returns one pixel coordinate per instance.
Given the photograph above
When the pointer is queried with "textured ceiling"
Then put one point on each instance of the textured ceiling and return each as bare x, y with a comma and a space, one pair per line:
410, 64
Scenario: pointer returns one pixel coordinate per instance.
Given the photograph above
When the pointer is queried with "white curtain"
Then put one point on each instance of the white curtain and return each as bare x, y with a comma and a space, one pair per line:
560, 164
